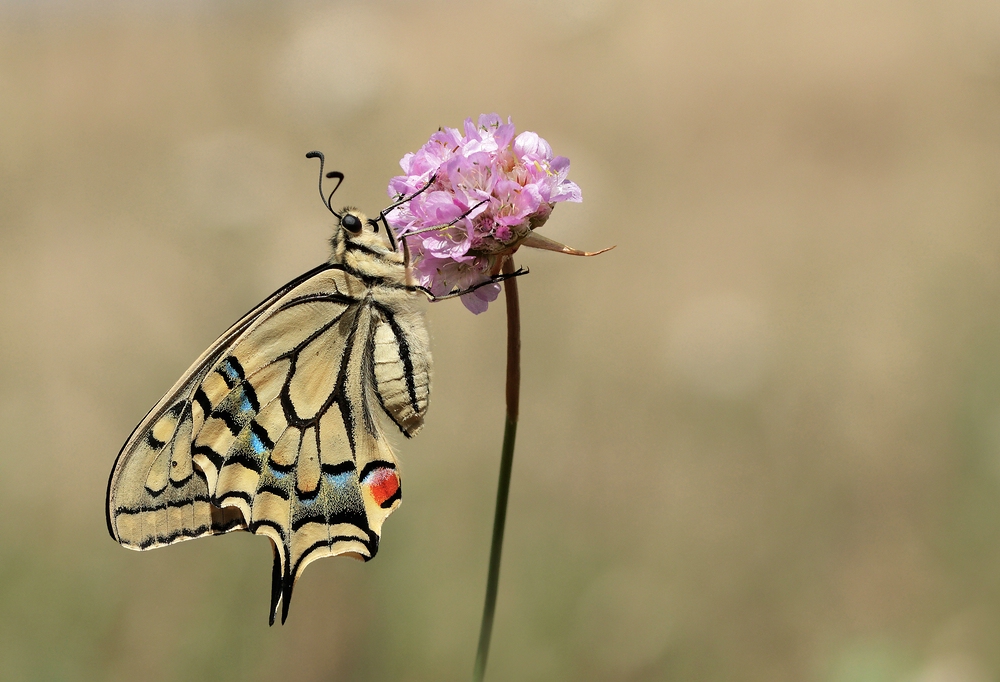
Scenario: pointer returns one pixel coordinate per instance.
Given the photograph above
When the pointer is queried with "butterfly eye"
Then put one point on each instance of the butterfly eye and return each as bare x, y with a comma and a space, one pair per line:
351, 223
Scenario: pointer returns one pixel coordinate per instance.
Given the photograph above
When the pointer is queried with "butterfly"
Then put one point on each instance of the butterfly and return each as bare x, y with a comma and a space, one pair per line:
280, 427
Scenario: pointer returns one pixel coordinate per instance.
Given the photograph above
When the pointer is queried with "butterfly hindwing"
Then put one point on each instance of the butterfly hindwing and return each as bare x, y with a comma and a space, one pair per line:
168, 501
295, 444
276, 429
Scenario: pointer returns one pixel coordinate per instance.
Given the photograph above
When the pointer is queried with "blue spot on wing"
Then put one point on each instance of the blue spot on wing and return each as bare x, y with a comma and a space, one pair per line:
230, 372
340, 480
255, 443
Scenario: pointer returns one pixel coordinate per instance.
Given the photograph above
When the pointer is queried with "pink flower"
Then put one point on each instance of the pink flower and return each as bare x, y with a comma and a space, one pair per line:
490, 190
529, 146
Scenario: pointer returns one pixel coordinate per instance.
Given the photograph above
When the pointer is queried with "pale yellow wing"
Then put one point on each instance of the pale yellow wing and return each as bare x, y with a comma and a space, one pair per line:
273, 429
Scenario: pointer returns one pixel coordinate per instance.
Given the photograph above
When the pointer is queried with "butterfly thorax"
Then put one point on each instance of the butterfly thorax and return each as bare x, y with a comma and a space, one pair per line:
366, 252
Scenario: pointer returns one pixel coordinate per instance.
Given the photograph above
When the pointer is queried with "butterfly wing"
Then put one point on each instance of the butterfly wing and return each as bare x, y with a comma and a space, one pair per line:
273, 430
142, 511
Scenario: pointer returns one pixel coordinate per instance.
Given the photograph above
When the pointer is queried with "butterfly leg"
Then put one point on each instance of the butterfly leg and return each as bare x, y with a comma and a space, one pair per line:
402, 238
385, 211
406, 261
460, 292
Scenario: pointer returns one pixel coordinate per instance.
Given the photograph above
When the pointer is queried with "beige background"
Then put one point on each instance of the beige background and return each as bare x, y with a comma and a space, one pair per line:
760, 439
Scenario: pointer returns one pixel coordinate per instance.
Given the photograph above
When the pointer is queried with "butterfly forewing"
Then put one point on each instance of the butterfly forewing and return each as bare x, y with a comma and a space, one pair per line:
276, 429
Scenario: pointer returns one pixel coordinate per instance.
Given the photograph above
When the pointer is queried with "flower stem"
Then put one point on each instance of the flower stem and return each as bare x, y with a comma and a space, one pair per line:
506, 464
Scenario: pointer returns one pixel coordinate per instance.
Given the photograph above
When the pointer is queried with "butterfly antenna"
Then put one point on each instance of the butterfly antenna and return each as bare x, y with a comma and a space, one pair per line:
332, 174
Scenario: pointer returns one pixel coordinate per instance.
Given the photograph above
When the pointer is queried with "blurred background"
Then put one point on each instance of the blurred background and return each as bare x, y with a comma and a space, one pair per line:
760, 440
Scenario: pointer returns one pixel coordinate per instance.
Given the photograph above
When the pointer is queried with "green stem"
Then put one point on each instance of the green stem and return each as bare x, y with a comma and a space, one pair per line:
506, 465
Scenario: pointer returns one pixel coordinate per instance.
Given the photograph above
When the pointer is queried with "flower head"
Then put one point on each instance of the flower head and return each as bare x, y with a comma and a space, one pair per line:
479, 194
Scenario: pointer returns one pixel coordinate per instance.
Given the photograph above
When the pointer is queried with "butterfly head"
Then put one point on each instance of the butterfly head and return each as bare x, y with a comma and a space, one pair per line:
359, 235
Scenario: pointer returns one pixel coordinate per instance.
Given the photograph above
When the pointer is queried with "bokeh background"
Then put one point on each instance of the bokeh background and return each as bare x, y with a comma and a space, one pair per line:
760, 439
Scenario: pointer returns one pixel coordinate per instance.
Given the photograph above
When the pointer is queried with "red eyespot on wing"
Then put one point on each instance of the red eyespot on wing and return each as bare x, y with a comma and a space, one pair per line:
384, 484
